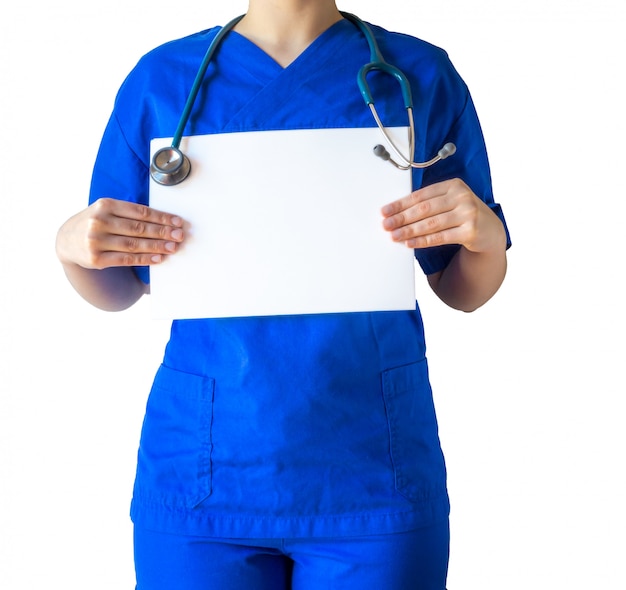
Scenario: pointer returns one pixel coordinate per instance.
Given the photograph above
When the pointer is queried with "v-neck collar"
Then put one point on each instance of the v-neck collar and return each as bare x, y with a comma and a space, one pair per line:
262, 66
269, 96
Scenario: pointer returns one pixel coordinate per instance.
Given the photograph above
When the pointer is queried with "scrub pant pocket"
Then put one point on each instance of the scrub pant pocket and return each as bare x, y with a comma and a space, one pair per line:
174, 458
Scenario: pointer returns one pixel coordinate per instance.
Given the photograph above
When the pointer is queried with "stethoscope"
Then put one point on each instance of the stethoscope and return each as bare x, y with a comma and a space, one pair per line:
170, 166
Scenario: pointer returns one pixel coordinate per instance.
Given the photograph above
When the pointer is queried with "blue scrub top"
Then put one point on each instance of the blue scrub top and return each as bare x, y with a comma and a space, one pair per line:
319, 425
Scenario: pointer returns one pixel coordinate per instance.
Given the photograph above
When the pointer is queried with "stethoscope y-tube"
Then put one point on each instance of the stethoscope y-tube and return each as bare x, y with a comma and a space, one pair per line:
170, 166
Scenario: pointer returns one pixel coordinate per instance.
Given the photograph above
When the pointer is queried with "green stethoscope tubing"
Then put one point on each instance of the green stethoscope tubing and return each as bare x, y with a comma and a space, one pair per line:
200, 77
170, 166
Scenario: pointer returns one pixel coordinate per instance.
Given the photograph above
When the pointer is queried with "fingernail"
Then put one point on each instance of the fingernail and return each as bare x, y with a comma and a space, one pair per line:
177, 221
156, 258
170, 246
177, 234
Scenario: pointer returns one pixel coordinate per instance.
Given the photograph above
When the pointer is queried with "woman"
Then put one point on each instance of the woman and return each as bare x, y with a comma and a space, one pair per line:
293, 451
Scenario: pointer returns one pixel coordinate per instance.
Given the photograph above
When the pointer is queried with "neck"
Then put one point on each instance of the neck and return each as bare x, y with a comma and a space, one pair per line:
285, 28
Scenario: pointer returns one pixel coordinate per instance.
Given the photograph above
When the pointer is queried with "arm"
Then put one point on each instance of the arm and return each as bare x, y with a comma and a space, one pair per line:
98, 246
450, 213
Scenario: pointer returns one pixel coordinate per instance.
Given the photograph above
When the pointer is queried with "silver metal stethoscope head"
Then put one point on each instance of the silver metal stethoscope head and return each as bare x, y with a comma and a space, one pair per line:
170, 165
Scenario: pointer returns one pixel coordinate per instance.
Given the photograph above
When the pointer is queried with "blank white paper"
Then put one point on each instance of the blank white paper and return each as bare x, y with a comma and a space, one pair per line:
281, 223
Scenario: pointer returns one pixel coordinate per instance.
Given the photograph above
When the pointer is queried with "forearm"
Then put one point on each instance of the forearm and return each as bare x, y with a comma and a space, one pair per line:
109, 289
471, 278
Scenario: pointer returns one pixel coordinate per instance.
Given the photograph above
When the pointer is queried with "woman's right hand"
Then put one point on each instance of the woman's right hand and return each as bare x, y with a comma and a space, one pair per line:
113, 233
99, 245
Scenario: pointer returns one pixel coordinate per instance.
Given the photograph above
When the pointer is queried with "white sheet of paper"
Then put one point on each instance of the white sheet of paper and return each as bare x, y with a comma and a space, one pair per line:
281, 223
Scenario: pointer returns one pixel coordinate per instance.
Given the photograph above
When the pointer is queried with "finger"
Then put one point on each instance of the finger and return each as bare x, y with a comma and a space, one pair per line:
134, 245
421, 195
125, 236
418, 209
441, 238
446, 188
400, 205
137, 212
144, 213
111, 216
138, 228
110, 259
435, 224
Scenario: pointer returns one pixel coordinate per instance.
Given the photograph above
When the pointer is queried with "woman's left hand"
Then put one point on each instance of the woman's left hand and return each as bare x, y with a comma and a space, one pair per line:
444, 213
450, 213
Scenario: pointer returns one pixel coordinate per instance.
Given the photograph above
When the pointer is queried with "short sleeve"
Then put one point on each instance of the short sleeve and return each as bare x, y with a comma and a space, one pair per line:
471, 164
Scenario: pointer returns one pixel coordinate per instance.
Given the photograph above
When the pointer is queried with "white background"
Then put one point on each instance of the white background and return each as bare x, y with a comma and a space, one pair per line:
528, 389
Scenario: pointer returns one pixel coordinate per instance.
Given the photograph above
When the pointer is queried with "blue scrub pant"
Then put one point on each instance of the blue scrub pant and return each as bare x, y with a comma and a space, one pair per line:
415, 560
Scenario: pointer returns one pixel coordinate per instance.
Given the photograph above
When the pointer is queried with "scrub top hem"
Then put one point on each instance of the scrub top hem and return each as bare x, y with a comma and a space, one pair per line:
172, 521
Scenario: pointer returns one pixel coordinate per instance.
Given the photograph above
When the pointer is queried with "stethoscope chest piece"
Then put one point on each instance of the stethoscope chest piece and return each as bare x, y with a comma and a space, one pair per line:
169, 166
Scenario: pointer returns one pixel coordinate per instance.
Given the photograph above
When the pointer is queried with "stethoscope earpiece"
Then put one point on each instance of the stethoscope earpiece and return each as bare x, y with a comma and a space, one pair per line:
169, 166
445, 152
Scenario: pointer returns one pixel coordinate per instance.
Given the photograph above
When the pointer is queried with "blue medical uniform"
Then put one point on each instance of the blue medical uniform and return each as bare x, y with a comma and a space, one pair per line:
292, 426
